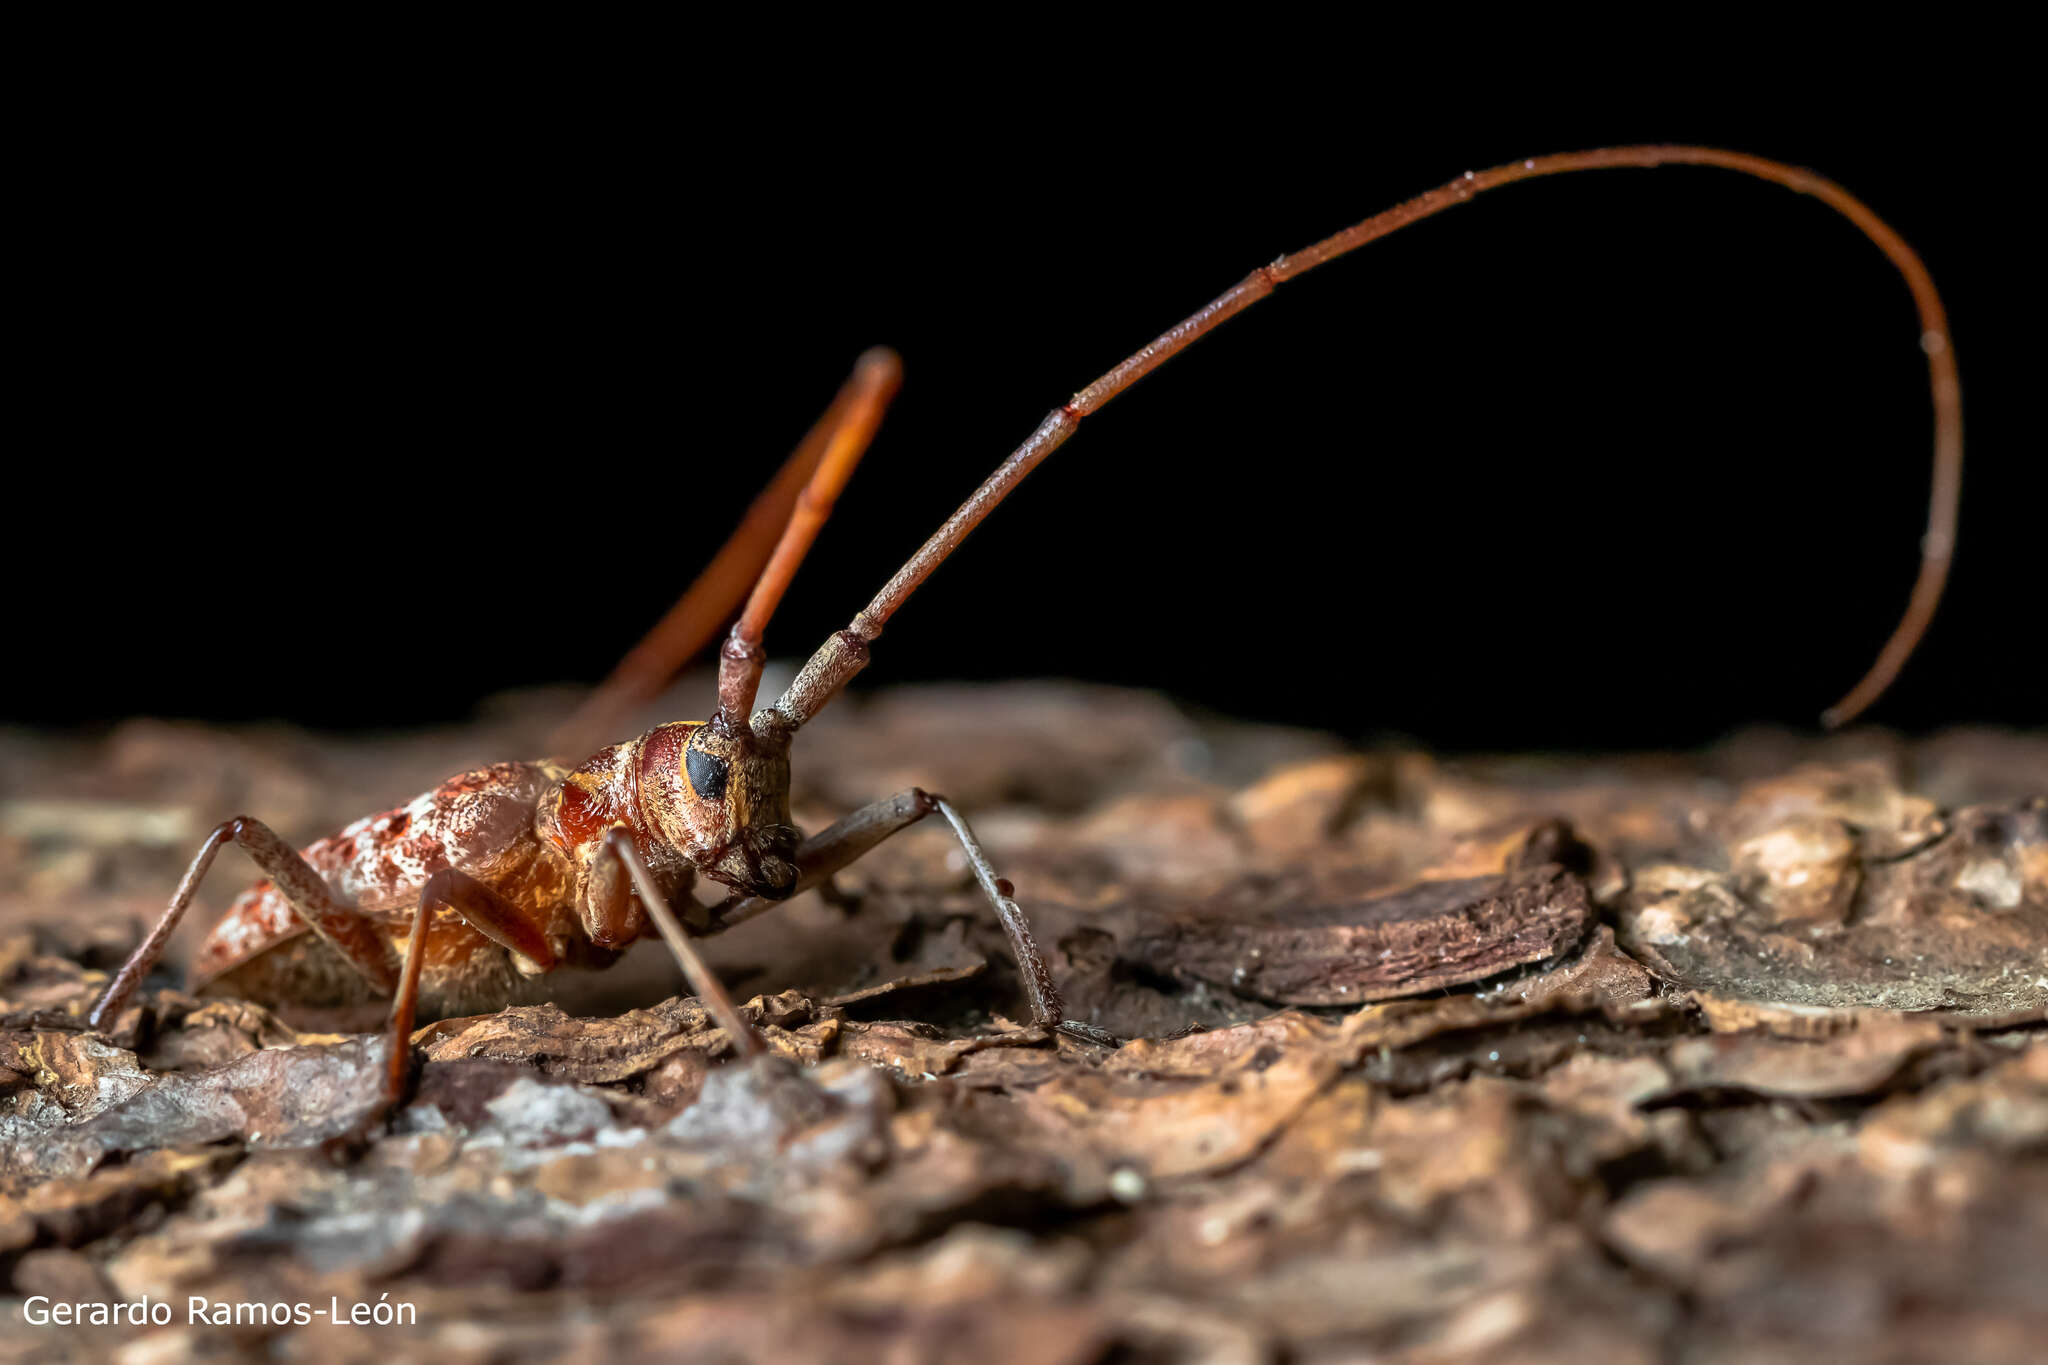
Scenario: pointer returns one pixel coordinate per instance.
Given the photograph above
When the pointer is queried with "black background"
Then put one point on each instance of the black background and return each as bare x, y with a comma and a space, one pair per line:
353, 420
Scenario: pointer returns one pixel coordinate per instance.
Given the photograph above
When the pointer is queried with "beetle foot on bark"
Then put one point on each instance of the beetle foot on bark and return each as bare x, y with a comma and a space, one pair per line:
1088, 1033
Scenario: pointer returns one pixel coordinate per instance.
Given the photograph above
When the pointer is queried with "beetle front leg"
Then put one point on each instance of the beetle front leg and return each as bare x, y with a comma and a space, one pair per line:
746, 1042
825, 853
1048, 1011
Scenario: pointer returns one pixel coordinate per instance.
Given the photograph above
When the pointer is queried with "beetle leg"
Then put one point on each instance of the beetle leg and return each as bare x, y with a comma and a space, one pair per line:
484, 910
825, 853
329, 916
744, 1040
490, 914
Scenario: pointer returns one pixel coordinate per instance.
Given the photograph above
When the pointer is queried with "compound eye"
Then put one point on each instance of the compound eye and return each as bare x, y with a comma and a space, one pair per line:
708, 774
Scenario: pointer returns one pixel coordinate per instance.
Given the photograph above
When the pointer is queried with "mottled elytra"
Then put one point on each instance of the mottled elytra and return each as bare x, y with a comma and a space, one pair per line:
510, 871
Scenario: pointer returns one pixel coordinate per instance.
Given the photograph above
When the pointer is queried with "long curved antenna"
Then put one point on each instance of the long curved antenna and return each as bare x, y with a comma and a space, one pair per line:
875, 380
846, 653
710, 600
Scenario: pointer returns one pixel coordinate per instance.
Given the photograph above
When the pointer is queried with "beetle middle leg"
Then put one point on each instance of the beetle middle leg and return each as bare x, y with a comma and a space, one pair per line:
499, 920
825, 853
484, 910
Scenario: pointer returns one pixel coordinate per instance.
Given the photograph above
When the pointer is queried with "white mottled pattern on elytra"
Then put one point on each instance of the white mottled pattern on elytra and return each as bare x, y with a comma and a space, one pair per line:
379, 863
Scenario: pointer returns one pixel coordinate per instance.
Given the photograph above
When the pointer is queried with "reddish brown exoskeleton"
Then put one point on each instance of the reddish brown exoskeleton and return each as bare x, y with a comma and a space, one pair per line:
499, 875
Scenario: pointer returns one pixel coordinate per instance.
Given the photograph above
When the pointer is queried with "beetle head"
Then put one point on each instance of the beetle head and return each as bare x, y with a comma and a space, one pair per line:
721, 795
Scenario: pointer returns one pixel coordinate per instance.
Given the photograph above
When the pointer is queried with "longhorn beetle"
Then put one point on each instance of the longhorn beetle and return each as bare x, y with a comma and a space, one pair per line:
513, 870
